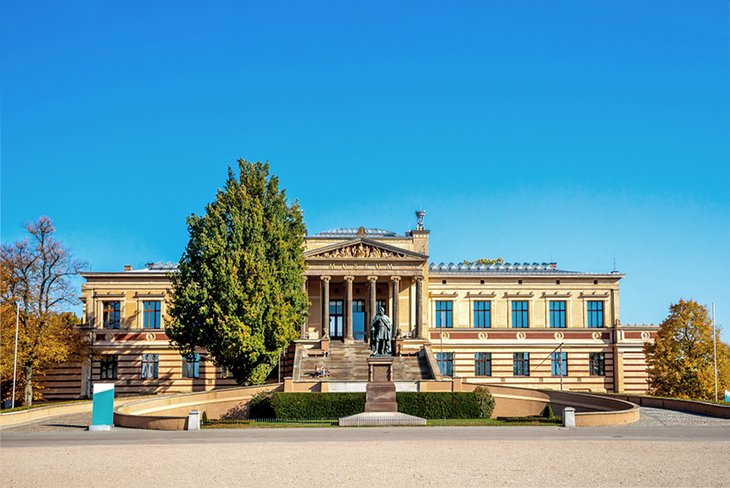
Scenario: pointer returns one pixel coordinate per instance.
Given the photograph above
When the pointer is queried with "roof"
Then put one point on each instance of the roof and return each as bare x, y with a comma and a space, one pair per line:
356, 231
508, 268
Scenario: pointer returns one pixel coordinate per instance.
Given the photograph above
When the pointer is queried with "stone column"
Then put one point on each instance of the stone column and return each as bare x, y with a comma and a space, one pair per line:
372, 305
303, 332
419, 306
395, 310
348, 308
325, 305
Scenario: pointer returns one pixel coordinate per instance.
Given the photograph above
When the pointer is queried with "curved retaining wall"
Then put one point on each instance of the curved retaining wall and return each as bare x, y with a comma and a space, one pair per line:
693, 406
147, 414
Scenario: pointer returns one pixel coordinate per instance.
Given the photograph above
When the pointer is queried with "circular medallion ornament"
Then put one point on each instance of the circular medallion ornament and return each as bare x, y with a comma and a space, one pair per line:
109, 337
483, 336
150, 337
445, 335
559, 336
596, 336
521, 335
644, 335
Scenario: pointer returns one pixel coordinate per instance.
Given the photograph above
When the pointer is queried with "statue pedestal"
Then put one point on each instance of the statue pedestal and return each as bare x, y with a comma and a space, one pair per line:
380, 390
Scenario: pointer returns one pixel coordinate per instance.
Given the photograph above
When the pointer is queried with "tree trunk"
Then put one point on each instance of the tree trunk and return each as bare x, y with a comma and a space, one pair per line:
28, 399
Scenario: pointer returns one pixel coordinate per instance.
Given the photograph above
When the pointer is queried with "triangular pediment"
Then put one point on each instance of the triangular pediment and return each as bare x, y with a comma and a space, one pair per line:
363, 248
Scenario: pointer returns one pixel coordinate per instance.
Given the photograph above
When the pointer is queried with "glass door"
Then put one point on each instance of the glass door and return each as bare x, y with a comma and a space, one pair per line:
358, 320
336, 316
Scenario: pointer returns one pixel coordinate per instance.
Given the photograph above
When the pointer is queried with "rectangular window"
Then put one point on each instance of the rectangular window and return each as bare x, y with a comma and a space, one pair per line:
521, 364
444, 314
557, 314
108, 367
150, 366
595, 314
151, 311
191, 366
226, 373
520, 315
559, 363
445, 361
597, 364
482, 314
483, 364
111, 314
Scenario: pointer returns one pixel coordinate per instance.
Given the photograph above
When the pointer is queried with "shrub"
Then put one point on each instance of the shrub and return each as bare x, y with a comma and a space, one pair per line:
259, 407
547, 412
297, 406
485, 400
439, 405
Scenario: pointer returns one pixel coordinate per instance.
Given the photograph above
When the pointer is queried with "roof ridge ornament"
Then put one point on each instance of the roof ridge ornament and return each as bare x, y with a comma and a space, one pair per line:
420, 214
361, 232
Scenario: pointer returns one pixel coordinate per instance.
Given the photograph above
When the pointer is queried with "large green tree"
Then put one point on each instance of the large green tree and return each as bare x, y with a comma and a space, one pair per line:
238, 292
681, 358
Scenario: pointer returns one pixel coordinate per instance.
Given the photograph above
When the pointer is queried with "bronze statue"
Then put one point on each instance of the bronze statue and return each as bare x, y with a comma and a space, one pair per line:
381, 334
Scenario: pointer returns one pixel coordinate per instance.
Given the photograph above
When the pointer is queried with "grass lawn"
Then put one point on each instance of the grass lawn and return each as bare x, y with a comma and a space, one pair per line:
43, 404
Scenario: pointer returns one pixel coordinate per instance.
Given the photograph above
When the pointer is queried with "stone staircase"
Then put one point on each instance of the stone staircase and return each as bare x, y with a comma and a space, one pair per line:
349, 362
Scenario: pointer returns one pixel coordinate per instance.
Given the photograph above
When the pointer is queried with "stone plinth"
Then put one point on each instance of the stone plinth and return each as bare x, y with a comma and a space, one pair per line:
380, 369
381, 419
380, 397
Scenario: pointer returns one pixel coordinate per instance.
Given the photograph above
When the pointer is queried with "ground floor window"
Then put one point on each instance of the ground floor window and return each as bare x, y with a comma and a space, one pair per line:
191, 366
597, 364
483, 364
445, 362
150, 366
521, 364
559, 363
108, 367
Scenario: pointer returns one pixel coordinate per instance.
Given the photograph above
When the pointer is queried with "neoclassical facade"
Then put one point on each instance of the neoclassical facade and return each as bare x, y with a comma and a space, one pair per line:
523, 324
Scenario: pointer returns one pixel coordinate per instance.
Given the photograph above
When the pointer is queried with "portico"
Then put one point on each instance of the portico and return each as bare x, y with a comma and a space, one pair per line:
348, 278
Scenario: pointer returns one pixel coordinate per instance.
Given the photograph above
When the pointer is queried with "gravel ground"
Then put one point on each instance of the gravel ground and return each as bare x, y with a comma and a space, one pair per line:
62, 423
655, 417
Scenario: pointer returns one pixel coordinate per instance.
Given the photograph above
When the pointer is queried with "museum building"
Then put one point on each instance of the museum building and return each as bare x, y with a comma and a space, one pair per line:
521, 324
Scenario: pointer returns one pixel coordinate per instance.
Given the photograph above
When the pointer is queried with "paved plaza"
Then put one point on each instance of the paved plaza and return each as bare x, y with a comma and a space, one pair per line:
664, 449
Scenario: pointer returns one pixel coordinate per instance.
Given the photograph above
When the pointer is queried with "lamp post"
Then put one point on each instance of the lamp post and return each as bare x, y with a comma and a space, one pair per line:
15, 354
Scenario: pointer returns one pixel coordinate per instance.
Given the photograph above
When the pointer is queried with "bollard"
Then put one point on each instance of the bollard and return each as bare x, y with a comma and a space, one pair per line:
194, 420
569, 417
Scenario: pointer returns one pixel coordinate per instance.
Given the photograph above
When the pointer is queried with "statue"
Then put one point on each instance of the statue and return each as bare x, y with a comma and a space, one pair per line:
381, 334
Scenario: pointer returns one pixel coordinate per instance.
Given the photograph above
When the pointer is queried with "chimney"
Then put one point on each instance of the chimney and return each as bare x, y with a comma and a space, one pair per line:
127, 267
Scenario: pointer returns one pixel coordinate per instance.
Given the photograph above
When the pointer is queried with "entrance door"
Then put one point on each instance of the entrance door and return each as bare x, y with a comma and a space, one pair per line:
336, 316
358, 320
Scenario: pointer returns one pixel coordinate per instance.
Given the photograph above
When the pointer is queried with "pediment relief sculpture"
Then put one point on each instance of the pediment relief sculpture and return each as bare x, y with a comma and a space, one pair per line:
362, 251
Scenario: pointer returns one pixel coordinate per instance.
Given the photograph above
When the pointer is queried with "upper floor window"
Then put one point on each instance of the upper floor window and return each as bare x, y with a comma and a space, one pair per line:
595, 314
520, 314
111, 314
559, 363
151, 313
108, 367
191, 366
557, 314
445, 361
150, 366
482, 314
521, 364
597, 364
483, 364
444, 314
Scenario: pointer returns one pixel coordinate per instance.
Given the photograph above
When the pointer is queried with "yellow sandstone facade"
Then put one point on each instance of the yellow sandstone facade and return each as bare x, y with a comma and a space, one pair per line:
526, 324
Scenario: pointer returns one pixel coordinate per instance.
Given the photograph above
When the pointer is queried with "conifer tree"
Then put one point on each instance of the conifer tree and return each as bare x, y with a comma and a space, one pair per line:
681, 358
238, 293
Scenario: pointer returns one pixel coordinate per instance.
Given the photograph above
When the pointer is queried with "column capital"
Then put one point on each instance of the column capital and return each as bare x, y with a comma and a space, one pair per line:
418, 277
349, 278
325, 278
395, 278
372, 278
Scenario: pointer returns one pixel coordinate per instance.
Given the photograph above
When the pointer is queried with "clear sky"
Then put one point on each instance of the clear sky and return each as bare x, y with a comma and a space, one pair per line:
574, 131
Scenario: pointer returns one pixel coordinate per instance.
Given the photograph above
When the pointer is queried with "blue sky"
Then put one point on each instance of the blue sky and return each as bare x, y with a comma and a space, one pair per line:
574, 131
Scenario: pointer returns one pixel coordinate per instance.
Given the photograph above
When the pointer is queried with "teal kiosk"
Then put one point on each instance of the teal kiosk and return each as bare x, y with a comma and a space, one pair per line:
102, 414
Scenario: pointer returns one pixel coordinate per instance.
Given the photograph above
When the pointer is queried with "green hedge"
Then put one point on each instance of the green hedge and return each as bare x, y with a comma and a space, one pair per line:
436, 405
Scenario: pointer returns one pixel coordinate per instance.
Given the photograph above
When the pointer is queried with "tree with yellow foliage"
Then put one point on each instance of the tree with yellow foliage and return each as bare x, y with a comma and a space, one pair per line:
35, 274
681, 358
